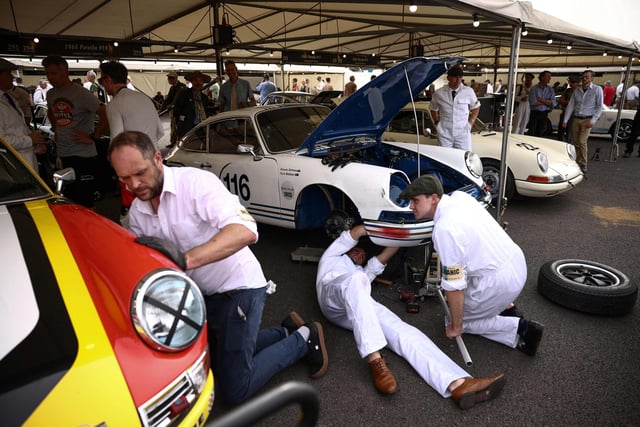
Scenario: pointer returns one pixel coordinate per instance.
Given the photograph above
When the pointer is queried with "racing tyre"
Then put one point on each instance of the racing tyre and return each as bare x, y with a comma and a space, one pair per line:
547, 129
624, 132
587, 286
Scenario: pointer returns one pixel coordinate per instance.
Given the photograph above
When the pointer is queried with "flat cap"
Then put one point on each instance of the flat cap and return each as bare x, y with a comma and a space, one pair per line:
6, 65
426, 184
172, 74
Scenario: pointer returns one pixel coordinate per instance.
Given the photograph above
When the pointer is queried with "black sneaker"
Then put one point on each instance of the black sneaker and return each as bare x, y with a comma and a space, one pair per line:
513, 311
530, 333
292, 322
317, 355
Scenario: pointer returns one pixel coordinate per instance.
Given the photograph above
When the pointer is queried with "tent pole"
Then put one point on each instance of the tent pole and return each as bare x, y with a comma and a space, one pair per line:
513, 72
613, 152
218, 50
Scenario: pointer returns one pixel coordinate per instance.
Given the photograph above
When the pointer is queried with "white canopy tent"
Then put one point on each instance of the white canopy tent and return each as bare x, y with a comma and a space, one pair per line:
355, 34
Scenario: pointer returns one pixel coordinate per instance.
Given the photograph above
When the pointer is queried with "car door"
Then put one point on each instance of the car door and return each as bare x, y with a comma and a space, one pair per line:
254, 180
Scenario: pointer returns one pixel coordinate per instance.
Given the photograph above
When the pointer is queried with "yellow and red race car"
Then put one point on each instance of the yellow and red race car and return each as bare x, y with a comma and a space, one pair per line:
95, 329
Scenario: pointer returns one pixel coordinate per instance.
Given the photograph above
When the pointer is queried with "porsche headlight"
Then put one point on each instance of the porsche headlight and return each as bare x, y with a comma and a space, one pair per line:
474, 164
168, 310
398, 182
571, 151
543, 162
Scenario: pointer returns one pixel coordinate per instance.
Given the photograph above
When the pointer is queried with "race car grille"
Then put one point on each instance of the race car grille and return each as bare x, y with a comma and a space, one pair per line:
168, 407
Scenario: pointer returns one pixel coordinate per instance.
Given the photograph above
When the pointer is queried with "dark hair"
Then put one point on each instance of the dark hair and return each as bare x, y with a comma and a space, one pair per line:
55, 60
455, 71
542, 73
135, 139
115, 70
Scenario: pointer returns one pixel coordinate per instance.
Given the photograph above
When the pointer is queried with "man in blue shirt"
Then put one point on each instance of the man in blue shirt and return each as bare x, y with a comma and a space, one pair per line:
235, 93
542, 99
265, 88
585, 107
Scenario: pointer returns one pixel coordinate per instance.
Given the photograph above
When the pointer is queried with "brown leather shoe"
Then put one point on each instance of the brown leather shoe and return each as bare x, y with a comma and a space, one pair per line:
382, 376
292, 322
476, 390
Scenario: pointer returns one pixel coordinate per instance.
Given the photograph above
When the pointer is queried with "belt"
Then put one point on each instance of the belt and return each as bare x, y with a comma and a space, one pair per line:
223, 295
582, 117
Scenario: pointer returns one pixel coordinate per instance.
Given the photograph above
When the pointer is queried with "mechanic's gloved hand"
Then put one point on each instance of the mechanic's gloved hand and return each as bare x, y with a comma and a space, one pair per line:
165, 247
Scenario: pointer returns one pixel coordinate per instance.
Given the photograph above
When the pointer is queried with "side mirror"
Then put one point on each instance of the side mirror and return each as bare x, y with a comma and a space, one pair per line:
248, 148
427, 132
62, 177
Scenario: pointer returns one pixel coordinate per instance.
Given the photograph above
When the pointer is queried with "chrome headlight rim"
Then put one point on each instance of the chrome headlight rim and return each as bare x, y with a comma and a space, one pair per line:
473, 163
543, 161
186, 311
571, 152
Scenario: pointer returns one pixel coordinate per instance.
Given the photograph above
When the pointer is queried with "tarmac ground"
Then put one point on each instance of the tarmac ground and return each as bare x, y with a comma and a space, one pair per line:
586, 370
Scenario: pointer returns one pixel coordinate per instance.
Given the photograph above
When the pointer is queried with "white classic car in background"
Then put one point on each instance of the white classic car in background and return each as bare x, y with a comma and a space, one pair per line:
537, 167
299, 165
605, 125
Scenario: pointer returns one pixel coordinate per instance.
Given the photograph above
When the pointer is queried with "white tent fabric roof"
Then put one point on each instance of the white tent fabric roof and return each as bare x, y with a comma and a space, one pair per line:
263, 30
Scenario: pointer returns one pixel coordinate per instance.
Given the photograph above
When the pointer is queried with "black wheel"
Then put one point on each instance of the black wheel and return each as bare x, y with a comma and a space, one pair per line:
587, 286
624, 132
547, 129
491, 177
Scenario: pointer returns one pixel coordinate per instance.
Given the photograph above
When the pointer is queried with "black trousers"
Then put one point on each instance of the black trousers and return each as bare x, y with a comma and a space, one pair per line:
82, 191
537, 121
635, 131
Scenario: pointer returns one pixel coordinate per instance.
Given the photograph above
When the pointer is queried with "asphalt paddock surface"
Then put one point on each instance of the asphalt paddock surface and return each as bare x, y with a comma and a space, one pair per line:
585, 372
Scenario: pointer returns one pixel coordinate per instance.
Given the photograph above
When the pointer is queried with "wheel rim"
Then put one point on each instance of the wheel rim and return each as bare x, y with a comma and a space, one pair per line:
624, 132
588, 275
491, 178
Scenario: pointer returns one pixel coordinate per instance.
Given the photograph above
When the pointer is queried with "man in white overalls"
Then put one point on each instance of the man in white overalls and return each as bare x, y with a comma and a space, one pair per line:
454, 108
484, 271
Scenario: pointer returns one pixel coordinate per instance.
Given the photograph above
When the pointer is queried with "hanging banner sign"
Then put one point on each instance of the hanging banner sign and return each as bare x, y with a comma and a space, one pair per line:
328, 58
15, 45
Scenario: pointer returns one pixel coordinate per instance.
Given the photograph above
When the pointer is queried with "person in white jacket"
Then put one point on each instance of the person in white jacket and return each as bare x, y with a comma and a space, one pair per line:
484, 271
12, 125
343, 287
454, 108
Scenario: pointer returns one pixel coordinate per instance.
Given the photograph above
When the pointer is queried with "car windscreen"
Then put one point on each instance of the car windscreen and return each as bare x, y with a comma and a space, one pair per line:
286, 128
17, 182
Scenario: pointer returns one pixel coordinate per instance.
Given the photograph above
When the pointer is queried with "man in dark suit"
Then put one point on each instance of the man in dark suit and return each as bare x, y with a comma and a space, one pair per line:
167, 104
189, 108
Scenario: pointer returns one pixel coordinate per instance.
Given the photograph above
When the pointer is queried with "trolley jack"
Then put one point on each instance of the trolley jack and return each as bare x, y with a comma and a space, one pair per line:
429, 280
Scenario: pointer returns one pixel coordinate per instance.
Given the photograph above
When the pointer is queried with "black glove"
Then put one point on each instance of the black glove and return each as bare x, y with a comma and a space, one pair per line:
165, 247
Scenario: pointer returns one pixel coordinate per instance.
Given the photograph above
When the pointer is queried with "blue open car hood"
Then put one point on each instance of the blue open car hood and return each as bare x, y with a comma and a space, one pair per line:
361, 119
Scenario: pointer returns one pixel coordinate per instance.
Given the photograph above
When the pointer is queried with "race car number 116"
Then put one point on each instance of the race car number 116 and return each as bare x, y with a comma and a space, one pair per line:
239, 186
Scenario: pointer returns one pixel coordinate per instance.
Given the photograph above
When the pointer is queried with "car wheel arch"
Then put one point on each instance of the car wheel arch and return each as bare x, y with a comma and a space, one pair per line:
316, 202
